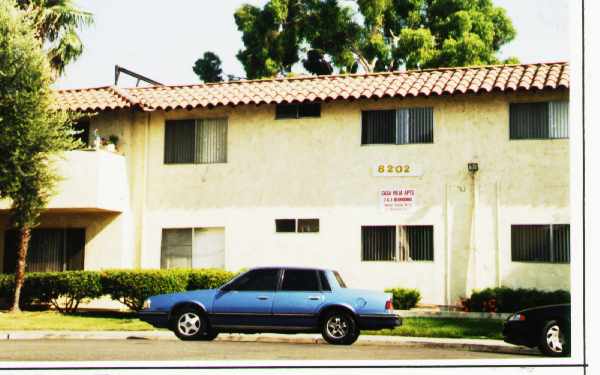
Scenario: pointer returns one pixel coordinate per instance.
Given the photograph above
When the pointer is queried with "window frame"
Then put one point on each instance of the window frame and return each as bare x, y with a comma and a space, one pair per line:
196, 122
548, 104
552, 251
398, 238
297, 225
397, 126
193, 244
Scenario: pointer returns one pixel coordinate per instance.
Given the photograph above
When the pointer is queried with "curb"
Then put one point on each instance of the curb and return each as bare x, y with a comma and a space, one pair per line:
477, 345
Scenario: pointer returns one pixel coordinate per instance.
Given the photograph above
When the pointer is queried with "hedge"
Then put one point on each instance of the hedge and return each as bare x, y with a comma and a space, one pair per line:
404, 299
66, 290
508, 300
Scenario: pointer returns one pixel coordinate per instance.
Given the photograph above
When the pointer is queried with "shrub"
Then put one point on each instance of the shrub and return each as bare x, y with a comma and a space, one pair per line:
208, 278
132, 287
508, 300
7, 286
404, 299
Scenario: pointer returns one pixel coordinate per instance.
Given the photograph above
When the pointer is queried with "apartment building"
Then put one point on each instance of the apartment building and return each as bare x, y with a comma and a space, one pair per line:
444, 180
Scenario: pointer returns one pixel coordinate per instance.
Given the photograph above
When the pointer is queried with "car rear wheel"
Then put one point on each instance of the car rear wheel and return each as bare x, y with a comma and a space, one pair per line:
190, 323
554, 341
339, 328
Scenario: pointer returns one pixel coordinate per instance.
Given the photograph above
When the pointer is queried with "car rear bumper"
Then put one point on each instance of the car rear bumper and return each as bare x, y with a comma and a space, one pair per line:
519, 333
379, 321
158, 319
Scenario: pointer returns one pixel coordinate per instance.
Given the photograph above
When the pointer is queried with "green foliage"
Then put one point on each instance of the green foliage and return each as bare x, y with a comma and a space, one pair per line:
508, 300
30, 129
208, 278
56, 23
208, 68
63, 290
404, 299
132, 287
377, 35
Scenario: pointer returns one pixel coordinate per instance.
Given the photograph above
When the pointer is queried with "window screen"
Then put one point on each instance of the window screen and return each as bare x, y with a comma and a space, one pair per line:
401, 243
308, 225
416, 242
285, 225
401, 126
202, 141
176, 248
50, 250
540, 243
541, 120
300, 280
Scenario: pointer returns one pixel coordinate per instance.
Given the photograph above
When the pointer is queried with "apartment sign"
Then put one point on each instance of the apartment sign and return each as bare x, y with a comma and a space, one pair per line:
396, 170
397, 199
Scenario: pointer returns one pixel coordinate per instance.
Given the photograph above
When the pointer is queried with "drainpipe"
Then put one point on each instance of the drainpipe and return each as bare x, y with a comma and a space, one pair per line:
144, 189
497, 218
447, 260
473, 168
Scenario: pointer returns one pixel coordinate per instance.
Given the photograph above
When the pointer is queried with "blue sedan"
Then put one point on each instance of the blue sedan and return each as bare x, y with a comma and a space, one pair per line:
274, 299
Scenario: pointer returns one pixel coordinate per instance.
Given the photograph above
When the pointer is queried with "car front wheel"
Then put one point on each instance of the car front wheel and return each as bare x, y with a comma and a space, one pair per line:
191, 324
339, 328
554, 340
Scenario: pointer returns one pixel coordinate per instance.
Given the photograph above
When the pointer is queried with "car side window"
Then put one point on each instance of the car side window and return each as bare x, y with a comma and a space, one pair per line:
300, 280
262, 280
324, 282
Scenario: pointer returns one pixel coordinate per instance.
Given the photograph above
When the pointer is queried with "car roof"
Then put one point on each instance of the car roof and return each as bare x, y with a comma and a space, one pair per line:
290, 268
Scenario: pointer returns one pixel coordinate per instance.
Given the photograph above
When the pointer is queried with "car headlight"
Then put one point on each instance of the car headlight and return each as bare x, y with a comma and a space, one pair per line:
519, 317
146, 304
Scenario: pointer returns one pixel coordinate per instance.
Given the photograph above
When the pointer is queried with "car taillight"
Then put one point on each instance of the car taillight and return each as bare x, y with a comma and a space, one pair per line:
389, 305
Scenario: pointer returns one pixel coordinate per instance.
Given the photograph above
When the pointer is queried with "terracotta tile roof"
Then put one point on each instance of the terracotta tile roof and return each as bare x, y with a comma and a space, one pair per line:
434, 82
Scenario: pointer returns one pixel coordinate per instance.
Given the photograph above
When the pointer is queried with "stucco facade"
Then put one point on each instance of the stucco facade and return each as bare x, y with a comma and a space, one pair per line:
317, 168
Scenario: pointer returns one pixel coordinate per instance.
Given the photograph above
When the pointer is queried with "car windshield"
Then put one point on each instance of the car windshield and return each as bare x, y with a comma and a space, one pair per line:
341, 282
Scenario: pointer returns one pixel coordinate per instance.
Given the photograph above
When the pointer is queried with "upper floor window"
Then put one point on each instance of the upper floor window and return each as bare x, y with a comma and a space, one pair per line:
397, 243
201, 141
297, 225
400, 126
542, 120
297, 110
541, 243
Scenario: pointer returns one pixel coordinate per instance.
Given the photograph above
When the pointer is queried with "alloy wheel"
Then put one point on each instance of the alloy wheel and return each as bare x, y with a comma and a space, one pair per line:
337, 326
555, 339
189, 324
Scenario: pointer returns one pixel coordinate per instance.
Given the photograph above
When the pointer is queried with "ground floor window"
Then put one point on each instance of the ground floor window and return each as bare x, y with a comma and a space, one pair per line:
397, 243
548, 243
50, 250
193, 248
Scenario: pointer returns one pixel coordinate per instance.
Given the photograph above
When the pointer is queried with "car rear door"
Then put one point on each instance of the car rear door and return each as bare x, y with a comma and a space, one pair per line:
298, 299
248, 301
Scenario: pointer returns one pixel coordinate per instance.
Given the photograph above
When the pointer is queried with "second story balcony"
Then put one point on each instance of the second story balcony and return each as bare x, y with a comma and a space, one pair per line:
92, 181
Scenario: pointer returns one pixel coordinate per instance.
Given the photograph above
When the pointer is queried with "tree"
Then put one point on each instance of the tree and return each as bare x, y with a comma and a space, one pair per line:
208, 68
56, 23
32, 132
375, 35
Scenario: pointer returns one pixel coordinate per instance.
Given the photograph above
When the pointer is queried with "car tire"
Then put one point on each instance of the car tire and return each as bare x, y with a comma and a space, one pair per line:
190, 323
554, 340
339, 328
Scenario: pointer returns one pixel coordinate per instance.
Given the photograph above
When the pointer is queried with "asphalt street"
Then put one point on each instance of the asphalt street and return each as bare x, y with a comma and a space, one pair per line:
163, 350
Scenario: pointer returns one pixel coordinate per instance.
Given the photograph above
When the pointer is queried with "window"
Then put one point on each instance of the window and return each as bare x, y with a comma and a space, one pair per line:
196, 141
401, 126
543, 120
298, 110
300, 280
541, 243
193, 248
261, 279
50, 250
397, 243
297, 225
324, 282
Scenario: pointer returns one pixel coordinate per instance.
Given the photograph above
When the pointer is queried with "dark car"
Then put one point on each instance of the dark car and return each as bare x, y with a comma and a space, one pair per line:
545, 327
274, 299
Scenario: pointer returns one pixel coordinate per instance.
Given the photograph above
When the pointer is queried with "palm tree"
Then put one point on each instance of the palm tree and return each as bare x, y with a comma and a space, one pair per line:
56, 23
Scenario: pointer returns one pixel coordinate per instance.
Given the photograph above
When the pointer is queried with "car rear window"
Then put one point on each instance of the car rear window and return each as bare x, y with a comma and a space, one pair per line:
298, 280
339, 279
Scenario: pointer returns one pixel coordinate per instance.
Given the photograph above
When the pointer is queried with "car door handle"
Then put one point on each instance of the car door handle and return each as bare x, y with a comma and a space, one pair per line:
314, 298
262, 298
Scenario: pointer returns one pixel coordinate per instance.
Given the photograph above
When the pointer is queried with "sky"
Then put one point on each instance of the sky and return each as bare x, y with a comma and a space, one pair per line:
162, 39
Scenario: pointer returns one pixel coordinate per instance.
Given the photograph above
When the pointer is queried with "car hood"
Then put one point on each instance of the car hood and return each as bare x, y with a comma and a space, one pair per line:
545, 308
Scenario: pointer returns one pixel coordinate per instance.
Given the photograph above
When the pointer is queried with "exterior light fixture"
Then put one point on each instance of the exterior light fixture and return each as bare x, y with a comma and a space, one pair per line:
473, 167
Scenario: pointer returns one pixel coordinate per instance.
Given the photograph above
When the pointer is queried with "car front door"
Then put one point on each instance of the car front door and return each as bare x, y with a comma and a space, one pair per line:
247, 301
297, 302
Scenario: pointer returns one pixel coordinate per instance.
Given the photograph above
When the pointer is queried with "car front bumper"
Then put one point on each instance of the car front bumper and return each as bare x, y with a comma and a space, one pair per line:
379, 321
519, 333
159, 319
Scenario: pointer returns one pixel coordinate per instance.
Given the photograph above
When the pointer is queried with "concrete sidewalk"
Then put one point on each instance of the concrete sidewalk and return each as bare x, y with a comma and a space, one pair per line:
496, 346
